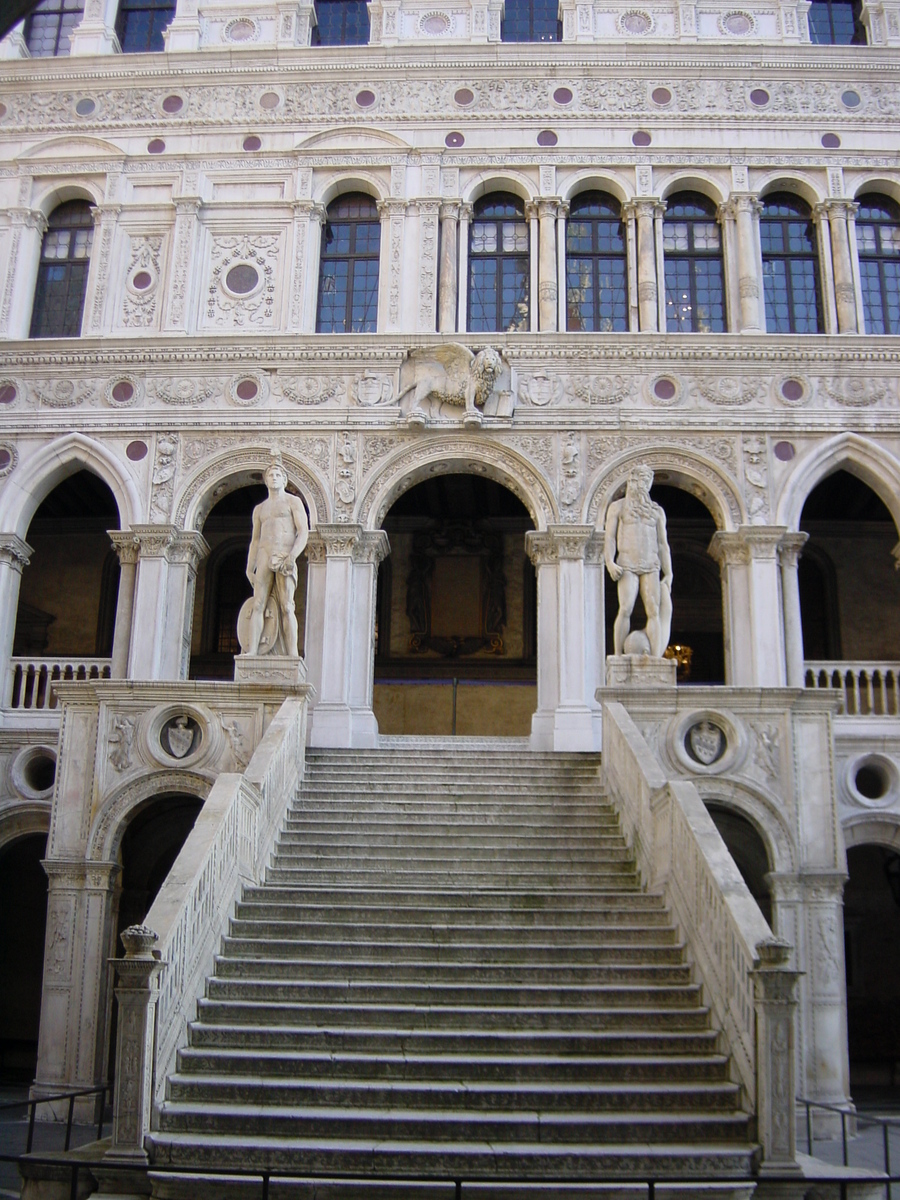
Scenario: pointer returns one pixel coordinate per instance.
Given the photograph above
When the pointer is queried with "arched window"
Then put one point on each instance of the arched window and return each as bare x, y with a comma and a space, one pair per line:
836, 23
49, 27
341, 23
596, 276
140, 24
790, 265
499, 266
531, 21
348, 267
695, 289
878, 239
63, 271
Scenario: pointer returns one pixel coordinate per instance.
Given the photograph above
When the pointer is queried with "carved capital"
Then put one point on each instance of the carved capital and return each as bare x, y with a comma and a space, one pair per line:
748, 544
74, 875
310, 209
187, 206
466, 212
449, 210
645, 209
154, 540
836, 209
740, 202
29, 218
14, 552
392, 207
790, 548
339, 541
561, 542
548, 208
126, 545
373, 547
188, 546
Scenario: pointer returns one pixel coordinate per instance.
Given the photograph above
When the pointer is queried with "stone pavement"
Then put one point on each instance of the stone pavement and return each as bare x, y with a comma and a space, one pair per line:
48, 1135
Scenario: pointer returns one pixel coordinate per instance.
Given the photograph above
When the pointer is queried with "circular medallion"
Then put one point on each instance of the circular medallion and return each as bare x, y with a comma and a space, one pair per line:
242, 279
156, 146
135, 451
172, 104
251, 142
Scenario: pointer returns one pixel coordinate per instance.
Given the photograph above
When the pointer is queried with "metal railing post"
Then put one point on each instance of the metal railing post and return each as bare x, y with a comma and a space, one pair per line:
809, 1131
844, 1137
69, 1121
30, 1139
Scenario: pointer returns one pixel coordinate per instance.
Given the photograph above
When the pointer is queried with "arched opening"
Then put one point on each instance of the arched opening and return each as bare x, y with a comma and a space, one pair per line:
696, 641
456, 612
222, 584
872, 953
149, 847
747, 849
23, 918
67, 598
849, 589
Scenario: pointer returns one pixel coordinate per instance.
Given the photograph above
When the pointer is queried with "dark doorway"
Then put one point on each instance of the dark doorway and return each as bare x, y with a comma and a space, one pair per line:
748, 851
23, 919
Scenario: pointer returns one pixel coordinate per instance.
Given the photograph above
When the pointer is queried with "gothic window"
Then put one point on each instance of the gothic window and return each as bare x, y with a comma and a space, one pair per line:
49, 27
348, 268
531, 21
63, 271
341, 23
836, 22
790, 265
878, 240
499, 266
695, 288
596, 277
140, 24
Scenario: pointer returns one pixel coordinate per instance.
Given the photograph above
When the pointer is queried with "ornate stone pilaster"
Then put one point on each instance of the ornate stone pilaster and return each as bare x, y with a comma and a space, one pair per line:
774, 994
185, 553
393, 219
566, 679
449, 270
548, 289
429, 244
789, 550
180, 316
838, 213
465, 218
754, 630
881, 19
105, 217
28, 228
644, 212
309, 218
15, 555
127, 548
744, 209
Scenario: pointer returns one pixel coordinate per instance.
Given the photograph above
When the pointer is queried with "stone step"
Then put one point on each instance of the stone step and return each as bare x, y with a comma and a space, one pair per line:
665, 963
301, 853
588, 845
410, 877
545, 1096
677, 1011
441, 932
392, 915
488, 901
349, 821
406, 952
658, 1069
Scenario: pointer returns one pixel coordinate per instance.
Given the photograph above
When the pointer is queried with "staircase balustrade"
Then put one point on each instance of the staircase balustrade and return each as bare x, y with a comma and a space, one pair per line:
744, 969
30, 680
869, 689
169, 958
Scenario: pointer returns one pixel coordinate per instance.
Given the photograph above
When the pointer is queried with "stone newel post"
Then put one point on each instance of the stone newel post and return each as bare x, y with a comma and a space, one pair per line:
775, 1000
137, 993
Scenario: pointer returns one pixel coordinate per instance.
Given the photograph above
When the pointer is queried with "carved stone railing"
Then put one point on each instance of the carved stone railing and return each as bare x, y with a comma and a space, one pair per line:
29, 680
230, 845
869, 689
743, 968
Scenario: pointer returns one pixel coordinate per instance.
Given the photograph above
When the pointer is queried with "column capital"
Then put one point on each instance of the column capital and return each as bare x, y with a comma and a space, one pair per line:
466, 211
532, 210
836, 207
125, 544
189, 547
77, 874
559, 542
740, 202
392, 207
102, 212
309, 208
643, 206
187, 206
747, 544
790, 547
450, 210
333, 541
30, 218
808, 887
153, 540
548, 207
15, 552
373, 547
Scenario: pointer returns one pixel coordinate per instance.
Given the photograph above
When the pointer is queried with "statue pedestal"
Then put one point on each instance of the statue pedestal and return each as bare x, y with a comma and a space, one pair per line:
279, 669
640, 670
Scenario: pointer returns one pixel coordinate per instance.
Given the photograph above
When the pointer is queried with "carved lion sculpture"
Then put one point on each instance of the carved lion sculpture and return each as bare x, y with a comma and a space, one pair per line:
449, 374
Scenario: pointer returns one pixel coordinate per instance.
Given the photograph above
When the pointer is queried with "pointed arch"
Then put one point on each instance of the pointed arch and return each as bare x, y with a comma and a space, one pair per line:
860, 456
35, 478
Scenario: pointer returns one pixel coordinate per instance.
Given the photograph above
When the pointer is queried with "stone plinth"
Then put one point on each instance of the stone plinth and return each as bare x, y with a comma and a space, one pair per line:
640, 670
269, 668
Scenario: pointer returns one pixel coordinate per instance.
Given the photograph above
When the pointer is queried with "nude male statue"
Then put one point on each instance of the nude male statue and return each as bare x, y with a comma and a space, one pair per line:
280, 532
636, 549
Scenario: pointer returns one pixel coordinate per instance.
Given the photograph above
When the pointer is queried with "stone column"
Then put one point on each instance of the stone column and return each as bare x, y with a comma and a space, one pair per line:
789, 550
839, 212
548, 290
73, 1032
531, 215
744, 209
308, 220
314, 627
28, 228
595, 624
138, 994
96, 32
644, 213
449, 272
185, 552
628, 216
183, 32
774, 994
127, 547
826, 267
565, 718
462, 319
562, 213
341, 611
14, 555
163, 600
754, 637
180, 316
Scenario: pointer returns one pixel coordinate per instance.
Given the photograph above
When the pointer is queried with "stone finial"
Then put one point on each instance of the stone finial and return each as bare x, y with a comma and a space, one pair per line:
139, 942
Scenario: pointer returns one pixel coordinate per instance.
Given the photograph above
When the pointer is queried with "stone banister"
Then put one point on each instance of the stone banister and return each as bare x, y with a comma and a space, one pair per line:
743, 968
229, 846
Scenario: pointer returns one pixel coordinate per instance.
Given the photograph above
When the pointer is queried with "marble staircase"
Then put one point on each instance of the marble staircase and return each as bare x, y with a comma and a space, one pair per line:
452, 969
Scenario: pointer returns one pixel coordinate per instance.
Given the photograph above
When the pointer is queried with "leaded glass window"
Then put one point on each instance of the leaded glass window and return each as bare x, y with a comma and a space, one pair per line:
63, 271
695, 287
140, 24
499, 266
790, 265
878, 241
348, 268
49, 27
596, 276
836, 23
341, 23
531, 21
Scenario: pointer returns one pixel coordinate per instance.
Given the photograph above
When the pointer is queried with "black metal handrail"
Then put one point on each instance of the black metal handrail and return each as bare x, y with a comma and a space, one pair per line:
267, 1175
71, 1097
846, 1114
